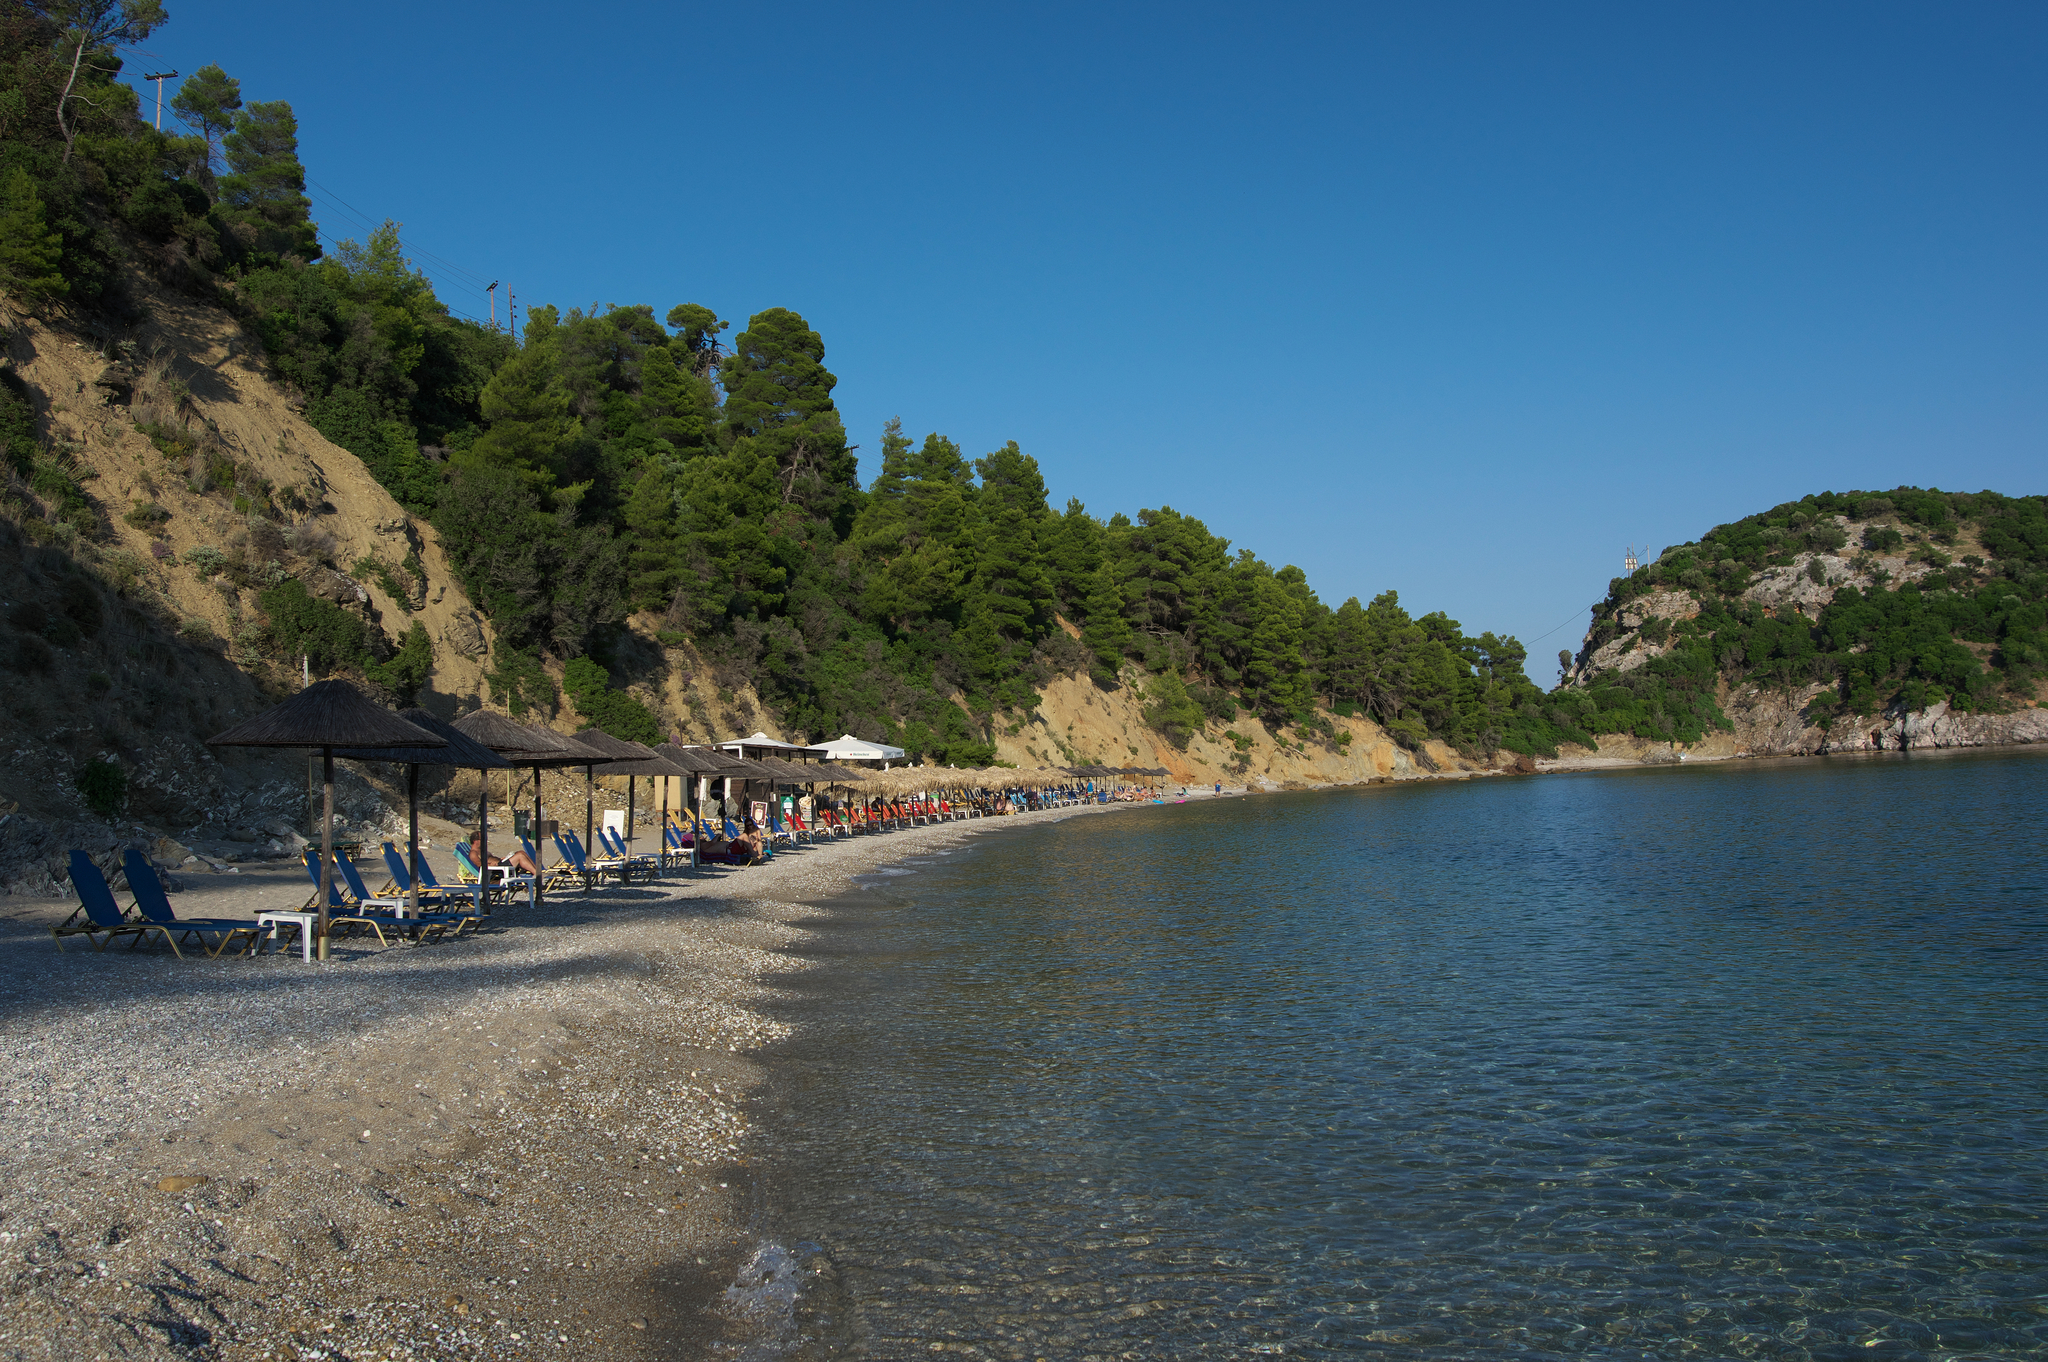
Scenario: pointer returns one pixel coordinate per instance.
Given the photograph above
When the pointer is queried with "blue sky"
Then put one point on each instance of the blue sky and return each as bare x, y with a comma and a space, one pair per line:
1454, 300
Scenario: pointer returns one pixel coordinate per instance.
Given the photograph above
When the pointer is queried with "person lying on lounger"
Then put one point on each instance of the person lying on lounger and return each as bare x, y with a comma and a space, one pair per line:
518, 860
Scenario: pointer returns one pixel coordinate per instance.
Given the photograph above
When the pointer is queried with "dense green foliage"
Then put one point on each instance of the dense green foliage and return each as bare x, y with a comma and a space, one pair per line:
619, 714
613, 461
103, 186
1909, 644
300, 624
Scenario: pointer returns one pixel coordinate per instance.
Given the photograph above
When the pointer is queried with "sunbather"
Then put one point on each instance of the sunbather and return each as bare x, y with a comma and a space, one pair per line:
518, 860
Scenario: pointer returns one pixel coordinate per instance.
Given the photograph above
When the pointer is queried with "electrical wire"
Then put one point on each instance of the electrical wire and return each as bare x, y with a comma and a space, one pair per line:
1540, 637
466, 280
329, 194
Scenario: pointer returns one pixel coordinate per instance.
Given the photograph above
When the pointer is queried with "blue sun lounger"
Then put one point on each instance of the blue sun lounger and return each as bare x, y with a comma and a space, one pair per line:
613, 843
155, 907
430, 891
102, 914
350, 905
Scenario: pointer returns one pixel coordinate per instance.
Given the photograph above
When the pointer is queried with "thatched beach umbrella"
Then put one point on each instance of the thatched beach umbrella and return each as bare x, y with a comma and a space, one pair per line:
462, 752
695, 760
612, 750
633, 760
525, 745
327, 715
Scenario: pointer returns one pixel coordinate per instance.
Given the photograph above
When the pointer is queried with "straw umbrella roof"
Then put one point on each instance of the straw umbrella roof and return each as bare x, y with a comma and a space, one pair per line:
327, 714
615, 749
739, 768
497, 732
462, 750
578, 752
644, 766
831, 771
787, 770
691, 759
526, 744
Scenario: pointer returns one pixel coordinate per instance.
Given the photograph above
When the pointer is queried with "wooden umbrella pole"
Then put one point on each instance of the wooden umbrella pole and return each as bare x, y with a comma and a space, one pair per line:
629, 817
589, 812
661, 850
540, 852
412, 800
483, 839
326, 845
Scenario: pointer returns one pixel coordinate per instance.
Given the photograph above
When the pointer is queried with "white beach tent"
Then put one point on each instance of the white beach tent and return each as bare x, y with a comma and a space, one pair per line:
762, 740
849, 748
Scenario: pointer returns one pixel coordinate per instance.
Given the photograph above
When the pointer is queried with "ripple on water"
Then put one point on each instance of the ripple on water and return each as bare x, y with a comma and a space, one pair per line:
1687, 1063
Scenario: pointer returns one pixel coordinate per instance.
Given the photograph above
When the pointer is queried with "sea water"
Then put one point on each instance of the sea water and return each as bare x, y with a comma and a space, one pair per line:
1742, 1060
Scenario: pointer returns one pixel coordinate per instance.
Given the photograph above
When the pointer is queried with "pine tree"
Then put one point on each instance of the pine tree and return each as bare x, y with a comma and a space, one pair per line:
654, 555
1106, 633
698, 329
264, 192
208, 100
779, 393
1276, 671
674, 404
527, 406
31, 253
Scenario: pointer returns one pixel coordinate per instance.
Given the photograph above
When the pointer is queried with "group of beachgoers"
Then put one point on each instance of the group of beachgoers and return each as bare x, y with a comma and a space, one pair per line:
738, 838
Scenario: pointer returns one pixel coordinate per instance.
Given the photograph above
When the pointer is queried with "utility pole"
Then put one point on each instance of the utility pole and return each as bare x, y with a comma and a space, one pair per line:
512, 322
160, 77
493, 292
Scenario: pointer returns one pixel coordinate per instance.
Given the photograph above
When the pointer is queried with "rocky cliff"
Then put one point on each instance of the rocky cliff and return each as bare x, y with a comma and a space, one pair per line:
1803, 720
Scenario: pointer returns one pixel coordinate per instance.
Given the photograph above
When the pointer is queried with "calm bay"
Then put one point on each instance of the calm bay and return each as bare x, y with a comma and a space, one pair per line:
1742, 1060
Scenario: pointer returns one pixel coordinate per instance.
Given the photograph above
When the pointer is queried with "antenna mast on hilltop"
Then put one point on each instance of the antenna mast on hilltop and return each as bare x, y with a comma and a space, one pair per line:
1628, 559
492, 292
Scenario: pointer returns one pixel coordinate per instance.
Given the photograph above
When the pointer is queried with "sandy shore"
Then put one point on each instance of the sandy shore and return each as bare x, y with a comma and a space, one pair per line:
527, 1143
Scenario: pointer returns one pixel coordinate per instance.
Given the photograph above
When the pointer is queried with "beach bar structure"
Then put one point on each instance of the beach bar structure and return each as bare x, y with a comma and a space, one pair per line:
327, 715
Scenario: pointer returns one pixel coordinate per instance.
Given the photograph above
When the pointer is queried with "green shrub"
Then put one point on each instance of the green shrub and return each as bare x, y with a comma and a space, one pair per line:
80, 601
1407, 732
520, 681
17, 424
173, 442
104, 785
303, 625
1171, 711
618, 714
409, 667
31, 656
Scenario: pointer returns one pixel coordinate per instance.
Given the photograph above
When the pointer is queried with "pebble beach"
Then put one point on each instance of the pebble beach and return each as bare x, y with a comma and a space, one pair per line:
530, 1142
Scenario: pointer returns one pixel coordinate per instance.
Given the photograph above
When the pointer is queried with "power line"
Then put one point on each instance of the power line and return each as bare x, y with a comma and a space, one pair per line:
329, 238
360, 216
1540, 637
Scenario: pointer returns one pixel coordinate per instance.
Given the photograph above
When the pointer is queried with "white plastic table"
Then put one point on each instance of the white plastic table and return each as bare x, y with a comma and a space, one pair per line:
305, 921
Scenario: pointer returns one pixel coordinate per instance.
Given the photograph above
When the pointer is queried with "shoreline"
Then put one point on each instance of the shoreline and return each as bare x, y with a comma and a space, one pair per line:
528, 1143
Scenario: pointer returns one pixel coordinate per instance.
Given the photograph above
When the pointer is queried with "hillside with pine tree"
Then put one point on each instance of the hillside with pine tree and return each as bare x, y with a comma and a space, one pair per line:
637, 496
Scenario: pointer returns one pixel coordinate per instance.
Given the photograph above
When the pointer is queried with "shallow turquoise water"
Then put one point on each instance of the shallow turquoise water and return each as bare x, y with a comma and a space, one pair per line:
1743, 1060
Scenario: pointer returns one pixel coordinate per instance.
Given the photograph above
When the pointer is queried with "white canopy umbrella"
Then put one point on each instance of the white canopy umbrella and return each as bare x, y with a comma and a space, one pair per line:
850, 748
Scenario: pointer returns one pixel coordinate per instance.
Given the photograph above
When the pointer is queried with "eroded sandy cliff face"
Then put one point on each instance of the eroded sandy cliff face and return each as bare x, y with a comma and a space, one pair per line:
1078, 724
168, 653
